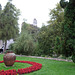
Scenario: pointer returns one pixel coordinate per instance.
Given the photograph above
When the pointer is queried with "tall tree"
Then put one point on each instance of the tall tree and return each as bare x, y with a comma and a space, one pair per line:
48, 34
9, 26
0, 21
55, 27
69, 28
56, 18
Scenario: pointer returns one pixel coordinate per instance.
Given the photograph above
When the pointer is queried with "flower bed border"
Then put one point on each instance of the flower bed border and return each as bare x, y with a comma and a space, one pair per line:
35, 66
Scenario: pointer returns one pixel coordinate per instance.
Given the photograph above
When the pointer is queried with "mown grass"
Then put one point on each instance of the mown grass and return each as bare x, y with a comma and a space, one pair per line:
49, 67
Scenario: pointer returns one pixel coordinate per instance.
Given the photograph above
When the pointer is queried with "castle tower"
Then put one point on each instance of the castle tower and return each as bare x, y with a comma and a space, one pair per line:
35, 22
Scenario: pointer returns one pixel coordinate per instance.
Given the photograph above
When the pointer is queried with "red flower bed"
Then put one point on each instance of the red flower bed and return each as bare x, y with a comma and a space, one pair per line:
35, 66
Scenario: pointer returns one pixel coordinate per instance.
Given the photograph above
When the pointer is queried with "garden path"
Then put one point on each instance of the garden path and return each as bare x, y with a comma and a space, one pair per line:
46, 58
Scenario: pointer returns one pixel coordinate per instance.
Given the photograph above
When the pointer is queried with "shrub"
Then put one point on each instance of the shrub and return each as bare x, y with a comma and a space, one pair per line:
24, 44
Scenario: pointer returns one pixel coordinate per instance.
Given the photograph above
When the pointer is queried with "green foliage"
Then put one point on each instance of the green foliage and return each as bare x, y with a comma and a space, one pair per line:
73, 57
24, 44
9, 22
58, 46
45, 41
31, 29
63, 3
56, 18
47, 38
55, 29
69, 30
24, 27
11, 46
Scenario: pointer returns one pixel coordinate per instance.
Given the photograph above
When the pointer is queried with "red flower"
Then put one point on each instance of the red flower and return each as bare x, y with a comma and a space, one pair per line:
36, 66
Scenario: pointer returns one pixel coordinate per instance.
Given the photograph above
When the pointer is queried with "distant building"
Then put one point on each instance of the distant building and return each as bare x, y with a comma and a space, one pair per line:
2, 44
35, 22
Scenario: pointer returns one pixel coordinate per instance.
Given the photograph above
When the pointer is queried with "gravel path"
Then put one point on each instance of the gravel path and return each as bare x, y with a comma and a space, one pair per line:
46, 58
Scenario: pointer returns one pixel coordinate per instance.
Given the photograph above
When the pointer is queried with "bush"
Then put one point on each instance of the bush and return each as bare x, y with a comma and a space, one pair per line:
73, 58
24, 44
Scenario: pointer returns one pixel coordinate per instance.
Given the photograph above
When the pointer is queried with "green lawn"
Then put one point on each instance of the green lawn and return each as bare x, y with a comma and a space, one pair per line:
49, 67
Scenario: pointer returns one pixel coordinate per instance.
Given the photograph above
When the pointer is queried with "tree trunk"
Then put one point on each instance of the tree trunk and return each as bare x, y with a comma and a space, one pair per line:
5, 45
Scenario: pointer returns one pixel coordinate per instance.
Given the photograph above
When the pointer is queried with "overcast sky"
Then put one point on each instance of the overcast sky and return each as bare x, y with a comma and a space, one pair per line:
31, 9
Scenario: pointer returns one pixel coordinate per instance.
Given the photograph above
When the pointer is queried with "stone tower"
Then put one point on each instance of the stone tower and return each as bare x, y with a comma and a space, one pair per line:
35, 22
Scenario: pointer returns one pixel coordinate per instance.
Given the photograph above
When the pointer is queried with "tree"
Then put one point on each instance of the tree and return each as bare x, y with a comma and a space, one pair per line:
24, 43
45, 41
47, 38
56, 18
55, 28
69, 28
9, 26
0, 15
32, 30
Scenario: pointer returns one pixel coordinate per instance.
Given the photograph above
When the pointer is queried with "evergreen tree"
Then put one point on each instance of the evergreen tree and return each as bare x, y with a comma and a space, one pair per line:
69, 28
47, 38
0, 21
55, 28
9, 26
